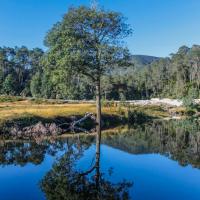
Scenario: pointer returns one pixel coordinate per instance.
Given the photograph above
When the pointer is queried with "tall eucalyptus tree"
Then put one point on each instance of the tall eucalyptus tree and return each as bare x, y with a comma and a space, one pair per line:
88, 41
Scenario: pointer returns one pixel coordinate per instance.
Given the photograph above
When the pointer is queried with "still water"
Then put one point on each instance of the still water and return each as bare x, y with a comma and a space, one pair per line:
160, 160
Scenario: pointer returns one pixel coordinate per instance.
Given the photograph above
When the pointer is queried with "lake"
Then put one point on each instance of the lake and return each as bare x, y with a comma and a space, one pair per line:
158, 160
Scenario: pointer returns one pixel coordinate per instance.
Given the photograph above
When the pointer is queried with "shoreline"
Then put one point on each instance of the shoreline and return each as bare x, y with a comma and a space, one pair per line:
28, 118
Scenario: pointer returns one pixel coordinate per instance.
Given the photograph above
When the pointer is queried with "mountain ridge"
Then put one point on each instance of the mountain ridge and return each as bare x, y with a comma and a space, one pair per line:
143, 60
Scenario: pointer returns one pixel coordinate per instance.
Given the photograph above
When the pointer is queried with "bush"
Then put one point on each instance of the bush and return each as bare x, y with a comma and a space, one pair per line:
10, 98
188, 102
137, 117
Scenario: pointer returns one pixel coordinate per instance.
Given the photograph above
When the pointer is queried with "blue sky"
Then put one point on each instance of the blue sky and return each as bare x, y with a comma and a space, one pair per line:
160, 26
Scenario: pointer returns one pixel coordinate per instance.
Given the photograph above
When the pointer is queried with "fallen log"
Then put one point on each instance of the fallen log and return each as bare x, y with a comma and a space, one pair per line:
77, 122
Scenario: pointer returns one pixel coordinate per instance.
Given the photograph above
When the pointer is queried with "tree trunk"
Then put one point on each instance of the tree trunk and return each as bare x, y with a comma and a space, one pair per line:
98, 110
97, 165
98, 135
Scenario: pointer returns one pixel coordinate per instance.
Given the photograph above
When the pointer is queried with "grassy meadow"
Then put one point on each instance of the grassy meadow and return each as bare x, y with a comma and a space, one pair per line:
30, 111
14, 109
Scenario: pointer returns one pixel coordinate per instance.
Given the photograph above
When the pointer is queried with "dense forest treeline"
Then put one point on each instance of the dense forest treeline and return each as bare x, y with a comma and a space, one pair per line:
18, 66
25, 72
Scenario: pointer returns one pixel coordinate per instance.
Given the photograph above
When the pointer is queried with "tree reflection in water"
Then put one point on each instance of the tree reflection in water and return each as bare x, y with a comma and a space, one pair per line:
24, 152
21, 153
64, 181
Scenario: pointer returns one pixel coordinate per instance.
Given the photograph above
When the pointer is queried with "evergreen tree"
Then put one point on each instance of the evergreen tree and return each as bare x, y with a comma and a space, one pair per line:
87, 42
9, 85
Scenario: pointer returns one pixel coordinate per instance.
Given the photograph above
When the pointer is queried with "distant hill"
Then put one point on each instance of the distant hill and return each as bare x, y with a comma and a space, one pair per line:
143, 60
139, 61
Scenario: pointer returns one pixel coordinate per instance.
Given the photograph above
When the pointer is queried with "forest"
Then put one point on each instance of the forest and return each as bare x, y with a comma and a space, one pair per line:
24, 72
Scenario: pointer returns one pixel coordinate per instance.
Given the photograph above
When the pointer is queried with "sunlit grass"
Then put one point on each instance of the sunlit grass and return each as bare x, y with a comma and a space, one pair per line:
28, 109
11, 110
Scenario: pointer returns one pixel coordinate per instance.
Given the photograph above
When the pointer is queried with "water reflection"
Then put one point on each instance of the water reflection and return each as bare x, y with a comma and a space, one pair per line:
66, 178
179, 140
64, 181
20, 153
24, 152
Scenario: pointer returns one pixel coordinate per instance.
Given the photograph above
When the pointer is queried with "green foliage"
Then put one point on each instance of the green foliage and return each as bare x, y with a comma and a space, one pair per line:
174, 77
8, 86
35, 85
10, 98
83, 47
17, 66
138, 117
188, 102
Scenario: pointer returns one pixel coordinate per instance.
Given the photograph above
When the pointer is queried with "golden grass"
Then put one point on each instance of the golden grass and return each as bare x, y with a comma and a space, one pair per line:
27, 108
151, 110
13, 110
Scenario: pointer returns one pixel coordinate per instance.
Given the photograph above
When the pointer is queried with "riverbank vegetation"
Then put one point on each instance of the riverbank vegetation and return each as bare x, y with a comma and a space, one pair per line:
26, 112
13, 107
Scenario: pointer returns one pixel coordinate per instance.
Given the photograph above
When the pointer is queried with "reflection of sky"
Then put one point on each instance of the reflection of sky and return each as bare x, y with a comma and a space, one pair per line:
20, 183
154, 176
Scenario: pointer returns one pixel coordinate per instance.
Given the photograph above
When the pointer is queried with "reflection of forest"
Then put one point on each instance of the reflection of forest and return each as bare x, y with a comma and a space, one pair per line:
180, 140
21, 153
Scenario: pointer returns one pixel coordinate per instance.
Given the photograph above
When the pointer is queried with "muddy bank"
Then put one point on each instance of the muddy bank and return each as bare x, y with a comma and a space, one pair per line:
35, 131
34, 127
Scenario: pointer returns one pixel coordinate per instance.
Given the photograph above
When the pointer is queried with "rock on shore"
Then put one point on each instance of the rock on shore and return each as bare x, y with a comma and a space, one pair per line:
35, 131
